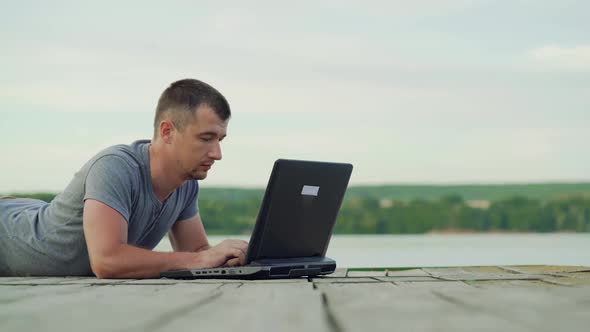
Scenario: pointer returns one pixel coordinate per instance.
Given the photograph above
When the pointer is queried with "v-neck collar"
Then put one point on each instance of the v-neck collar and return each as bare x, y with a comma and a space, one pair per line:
145, 156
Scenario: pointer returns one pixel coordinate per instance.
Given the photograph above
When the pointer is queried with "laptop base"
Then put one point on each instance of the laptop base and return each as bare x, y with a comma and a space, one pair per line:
262, 269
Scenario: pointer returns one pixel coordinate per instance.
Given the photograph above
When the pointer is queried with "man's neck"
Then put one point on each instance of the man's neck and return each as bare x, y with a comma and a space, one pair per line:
164, 181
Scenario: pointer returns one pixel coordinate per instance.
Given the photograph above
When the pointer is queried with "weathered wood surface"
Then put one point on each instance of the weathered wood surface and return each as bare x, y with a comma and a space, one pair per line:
508, 298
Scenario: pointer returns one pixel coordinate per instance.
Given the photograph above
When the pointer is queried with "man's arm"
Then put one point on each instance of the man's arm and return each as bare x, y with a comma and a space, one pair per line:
105, 231
189, 235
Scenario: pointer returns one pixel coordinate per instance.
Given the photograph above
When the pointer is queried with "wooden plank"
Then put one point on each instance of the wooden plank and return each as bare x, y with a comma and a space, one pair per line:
258, 307
15, 293
386, 307
36, 281
407, 273
99, 308
485, 269
350, 280
33, 281
568, 281
382, 272
91, 281
532, 308
508, 284
5, 280
438, 284
582, 275
352, 273
136, 307
402, 279
548, 269
460, 273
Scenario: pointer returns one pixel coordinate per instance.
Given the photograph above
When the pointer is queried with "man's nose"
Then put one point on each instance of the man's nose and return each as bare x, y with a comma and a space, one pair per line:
215, 152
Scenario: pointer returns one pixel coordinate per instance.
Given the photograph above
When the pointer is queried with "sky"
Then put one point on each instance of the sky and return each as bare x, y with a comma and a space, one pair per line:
427, 91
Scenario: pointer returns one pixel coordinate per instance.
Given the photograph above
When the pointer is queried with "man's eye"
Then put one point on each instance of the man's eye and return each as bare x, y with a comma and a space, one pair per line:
206, 139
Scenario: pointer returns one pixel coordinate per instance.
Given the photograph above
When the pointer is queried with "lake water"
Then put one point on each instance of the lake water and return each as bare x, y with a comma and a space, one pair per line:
451, 250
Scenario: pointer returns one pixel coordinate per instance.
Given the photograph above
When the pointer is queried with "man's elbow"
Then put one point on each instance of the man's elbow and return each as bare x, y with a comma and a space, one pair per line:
102, 270
105, 265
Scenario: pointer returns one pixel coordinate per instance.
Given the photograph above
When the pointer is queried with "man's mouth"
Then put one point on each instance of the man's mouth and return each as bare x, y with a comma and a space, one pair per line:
206, 166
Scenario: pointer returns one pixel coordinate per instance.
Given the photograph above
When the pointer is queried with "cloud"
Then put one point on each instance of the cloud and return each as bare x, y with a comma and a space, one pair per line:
559, 57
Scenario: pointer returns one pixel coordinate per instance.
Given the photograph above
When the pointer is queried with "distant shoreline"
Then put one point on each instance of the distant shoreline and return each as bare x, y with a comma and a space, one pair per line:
467, 231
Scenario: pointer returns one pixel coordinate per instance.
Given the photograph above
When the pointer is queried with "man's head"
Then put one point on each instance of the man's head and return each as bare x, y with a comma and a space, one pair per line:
191, 121
180, 101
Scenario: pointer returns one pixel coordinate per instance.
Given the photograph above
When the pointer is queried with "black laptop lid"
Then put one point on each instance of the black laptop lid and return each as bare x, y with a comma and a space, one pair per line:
299, 209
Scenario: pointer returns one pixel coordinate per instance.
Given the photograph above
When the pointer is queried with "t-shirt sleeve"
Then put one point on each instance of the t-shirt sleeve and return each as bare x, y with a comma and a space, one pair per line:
110, 181
191, 207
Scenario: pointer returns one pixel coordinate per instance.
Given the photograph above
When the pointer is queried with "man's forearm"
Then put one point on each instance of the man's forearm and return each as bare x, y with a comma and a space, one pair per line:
128, 261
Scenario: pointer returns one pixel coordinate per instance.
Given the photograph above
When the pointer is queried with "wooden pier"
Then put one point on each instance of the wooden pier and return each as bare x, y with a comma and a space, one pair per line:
491, 298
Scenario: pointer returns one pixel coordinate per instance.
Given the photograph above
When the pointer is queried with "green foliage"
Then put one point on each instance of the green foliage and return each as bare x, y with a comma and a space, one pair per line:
396, 210
47, 197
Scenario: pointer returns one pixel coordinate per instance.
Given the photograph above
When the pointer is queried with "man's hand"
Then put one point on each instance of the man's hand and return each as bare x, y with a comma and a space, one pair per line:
227, 253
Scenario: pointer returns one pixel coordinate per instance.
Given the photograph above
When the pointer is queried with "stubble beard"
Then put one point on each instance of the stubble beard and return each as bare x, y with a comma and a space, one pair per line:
196, 175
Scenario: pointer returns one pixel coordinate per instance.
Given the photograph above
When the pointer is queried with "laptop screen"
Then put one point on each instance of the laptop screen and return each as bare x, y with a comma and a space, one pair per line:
299, 209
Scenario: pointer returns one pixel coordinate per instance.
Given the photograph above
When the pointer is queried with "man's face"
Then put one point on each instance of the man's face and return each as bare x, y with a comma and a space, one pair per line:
198, 145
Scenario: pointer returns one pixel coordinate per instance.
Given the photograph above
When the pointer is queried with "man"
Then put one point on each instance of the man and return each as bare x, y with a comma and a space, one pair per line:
125, 199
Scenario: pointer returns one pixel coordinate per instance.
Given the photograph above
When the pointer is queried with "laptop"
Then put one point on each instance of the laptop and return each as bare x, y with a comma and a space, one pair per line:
294, 224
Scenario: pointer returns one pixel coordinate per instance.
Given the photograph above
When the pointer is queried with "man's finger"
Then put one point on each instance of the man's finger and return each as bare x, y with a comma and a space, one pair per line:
233, 262
245, 245
238, 243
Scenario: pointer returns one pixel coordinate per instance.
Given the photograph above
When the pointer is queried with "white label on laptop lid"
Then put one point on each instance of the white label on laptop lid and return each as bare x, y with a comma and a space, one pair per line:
310, 190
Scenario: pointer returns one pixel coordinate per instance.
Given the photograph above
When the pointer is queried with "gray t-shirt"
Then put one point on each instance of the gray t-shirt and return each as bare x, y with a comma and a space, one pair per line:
37, 238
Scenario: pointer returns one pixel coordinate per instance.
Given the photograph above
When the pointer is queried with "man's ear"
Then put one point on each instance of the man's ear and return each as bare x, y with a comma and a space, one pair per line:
166, 131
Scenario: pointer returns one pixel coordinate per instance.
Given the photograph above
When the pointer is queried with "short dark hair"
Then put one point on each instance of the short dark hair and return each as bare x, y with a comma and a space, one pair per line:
182, 98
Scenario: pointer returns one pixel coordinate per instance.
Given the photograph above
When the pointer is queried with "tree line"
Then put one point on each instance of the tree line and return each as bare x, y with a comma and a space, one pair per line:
452, 213
449, 213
